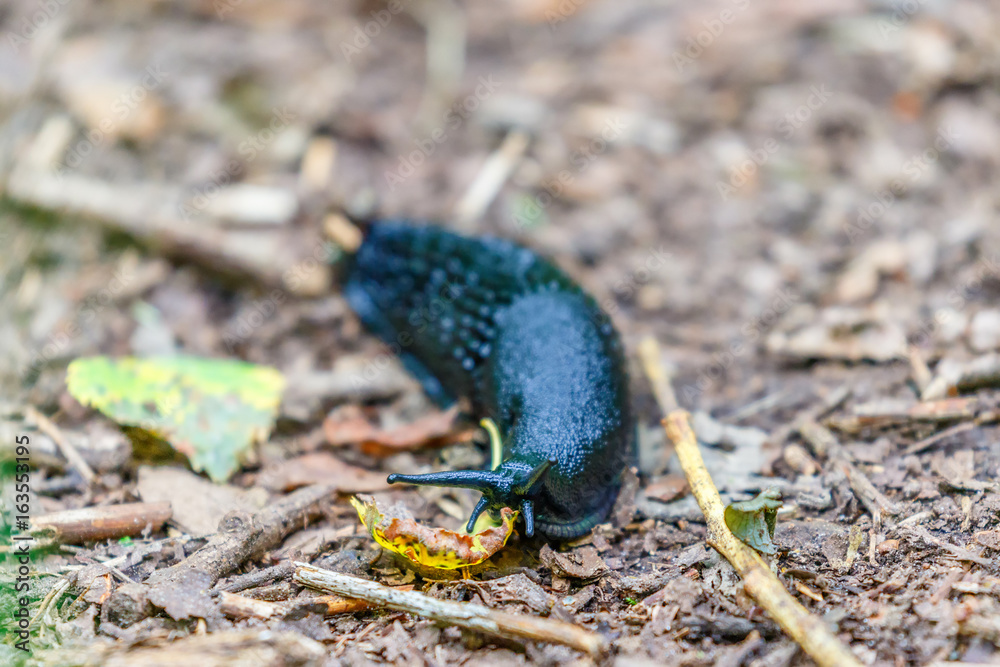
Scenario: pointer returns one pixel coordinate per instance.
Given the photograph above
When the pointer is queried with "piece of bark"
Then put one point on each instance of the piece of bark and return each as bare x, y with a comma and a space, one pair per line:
582, 563
237, 606
886, 413
244, 537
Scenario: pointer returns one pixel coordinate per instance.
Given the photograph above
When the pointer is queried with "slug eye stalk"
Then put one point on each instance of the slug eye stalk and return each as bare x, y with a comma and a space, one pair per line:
512, 484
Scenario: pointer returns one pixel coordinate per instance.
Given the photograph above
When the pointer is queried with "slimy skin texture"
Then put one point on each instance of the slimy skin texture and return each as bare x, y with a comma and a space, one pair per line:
487, 319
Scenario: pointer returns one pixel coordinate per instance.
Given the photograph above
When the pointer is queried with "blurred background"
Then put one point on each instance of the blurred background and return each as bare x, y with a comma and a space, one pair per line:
789, 196
742, 178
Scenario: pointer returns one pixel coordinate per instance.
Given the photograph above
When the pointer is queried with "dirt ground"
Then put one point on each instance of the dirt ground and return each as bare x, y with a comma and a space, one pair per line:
796, 200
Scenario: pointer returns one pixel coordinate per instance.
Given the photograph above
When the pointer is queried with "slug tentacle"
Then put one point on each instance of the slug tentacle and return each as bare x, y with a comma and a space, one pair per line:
480, 480
479, 509
512, 484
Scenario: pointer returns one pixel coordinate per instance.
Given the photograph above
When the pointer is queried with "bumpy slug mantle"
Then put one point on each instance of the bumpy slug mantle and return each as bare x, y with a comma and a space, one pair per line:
493, 321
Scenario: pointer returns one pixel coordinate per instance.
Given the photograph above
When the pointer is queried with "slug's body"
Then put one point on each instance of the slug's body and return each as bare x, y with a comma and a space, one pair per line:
487, 319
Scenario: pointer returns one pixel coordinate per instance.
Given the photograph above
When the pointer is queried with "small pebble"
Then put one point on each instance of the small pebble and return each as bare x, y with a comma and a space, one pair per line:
887, 547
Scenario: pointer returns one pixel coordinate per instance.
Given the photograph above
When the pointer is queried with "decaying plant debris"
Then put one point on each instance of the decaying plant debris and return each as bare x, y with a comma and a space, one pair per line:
789, 213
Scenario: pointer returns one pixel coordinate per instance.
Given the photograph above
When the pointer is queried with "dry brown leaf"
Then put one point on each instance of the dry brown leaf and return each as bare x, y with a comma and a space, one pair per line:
432, 429
321, 467
667, 488
433, 547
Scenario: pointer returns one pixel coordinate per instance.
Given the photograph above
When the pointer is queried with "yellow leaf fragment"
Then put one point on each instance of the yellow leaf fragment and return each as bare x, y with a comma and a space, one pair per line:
433, 547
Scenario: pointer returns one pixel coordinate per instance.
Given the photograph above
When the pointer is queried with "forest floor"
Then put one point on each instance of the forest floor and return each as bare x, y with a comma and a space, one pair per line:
796, 200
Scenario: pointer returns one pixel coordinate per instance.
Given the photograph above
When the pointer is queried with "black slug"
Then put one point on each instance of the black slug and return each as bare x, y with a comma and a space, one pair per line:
493, 321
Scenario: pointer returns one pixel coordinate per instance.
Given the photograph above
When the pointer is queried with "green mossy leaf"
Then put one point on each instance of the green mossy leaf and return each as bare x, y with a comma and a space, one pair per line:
754, 521
211, 410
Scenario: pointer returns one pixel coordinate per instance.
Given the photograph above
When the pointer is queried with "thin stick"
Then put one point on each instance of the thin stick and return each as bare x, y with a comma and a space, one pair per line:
758, 406
919, 371
929, 442
758, 580
825, 444
491, 178
828, 403
659, 378
238, 606
50, 599
467, 615
73, 457
258, 577
91, 524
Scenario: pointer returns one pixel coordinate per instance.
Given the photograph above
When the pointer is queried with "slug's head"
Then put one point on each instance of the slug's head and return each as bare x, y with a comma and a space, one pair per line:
511, 484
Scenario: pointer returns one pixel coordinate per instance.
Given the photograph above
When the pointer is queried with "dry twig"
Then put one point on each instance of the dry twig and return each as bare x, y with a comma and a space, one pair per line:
73, 457
149, 212
932, 440
659, 378
466, 615
829, 402
240, 606
758, 581
104, 522
258, 577
825, 444
491, 177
